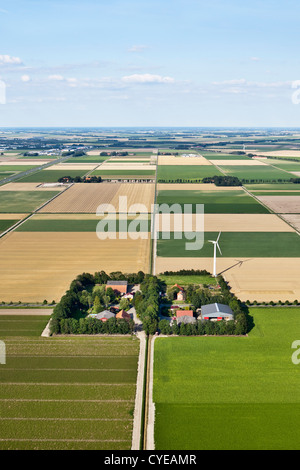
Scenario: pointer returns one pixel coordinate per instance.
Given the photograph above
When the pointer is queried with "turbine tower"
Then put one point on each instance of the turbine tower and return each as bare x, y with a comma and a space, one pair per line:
216, 244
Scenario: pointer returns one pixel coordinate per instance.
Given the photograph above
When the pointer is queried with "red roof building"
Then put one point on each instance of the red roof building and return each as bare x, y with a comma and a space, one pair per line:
184, 313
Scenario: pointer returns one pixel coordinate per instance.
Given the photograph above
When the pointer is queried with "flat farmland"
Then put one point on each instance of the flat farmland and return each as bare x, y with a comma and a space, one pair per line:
6, 224
282, 204
87, 197
261, 279
78, 223
182, 161
217, 202
225, 223
28, 187
23, 201
124, 173
260, 173
65, 393
41, 265
235, 244
51, 176
229, 393
174, 173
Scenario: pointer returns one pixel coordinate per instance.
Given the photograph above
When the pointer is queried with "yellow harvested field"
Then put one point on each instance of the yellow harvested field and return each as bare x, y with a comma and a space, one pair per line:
261, 279
126, 166
225, 223
279, 153
136, 193
296, 173
248, 162
41, 265
133, 159
29, 187
195, 187
172, 160
12, 216
282, 204
86, 198
83, 197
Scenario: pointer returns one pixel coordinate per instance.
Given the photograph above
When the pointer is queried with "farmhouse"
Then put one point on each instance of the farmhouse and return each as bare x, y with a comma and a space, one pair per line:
185, 316
105, 315
118, 286
216, 312
181, 293
123, 314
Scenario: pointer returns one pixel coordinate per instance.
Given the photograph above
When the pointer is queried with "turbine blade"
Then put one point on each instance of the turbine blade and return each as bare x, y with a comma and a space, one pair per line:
219, 236
219, 249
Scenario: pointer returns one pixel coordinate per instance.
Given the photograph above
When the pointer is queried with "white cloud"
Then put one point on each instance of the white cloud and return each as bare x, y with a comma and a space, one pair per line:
56, 78
137, 48
9, 60
240, 81
25, 78
147, 78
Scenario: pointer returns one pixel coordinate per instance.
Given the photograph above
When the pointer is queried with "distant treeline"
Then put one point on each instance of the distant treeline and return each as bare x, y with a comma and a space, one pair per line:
223, 180
80, 179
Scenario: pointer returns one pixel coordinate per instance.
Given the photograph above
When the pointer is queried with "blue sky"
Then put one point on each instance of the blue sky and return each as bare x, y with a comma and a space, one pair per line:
149, 62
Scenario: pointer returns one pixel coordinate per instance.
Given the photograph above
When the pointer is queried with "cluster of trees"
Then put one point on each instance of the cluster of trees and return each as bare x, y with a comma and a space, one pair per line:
74, 153
80, 179
92, 326
223, 180
113, 154
31, 154
217, 328
146, 303
85, 291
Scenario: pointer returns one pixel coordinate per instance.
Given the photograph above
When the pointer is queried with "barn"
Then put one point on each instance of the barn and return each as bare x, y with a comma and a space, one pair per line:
118, 286
216, 312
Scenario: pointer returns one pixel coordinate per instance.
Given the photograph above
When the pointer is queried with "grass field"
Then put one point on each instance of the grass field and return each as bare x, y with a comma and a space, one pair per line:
23, 201
273, 187
5, 224
51, 176
75, 225
182, 280
236, 244
65, 393
215, 202
185, 173
134, 174
259, 173
230, 393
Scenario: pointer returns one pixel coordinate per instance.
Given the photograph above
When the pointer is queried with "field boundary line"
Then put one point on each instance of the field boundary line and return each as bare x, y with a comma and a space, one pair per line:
138, 408
64, 400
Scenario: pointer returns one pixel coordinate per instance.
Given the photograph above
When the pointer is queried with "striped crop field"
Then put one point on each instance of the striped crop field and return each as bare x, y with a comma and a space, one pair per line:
65, 393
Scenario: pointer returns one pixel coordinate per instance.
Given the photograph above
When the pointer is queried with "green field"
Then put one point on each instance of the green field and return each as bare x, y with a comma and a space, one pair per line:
65, 393
17, 168
5, 175
236, 244
183, 173
257, 173
273, 187
24, 201
51, 176
183, 280
230, 393
5, 224
76, 225
87, 159
215, 202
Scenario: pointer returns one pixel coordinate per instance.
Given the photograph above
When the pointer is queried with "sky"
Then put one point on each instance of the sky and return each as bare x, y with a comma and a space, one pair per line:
173, 63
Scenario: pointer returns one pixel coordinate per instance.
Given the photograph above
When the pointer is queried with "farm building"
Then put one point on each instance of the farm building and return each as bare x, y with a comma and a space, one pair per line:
185, 316
184, 313
216, 312
181, 293
118, 286
105, 315
123, 314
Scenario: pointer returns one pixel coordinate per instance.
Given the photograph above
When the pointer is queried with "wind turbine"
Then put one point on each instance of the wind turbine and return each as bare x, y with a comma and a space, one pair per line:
216, 244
